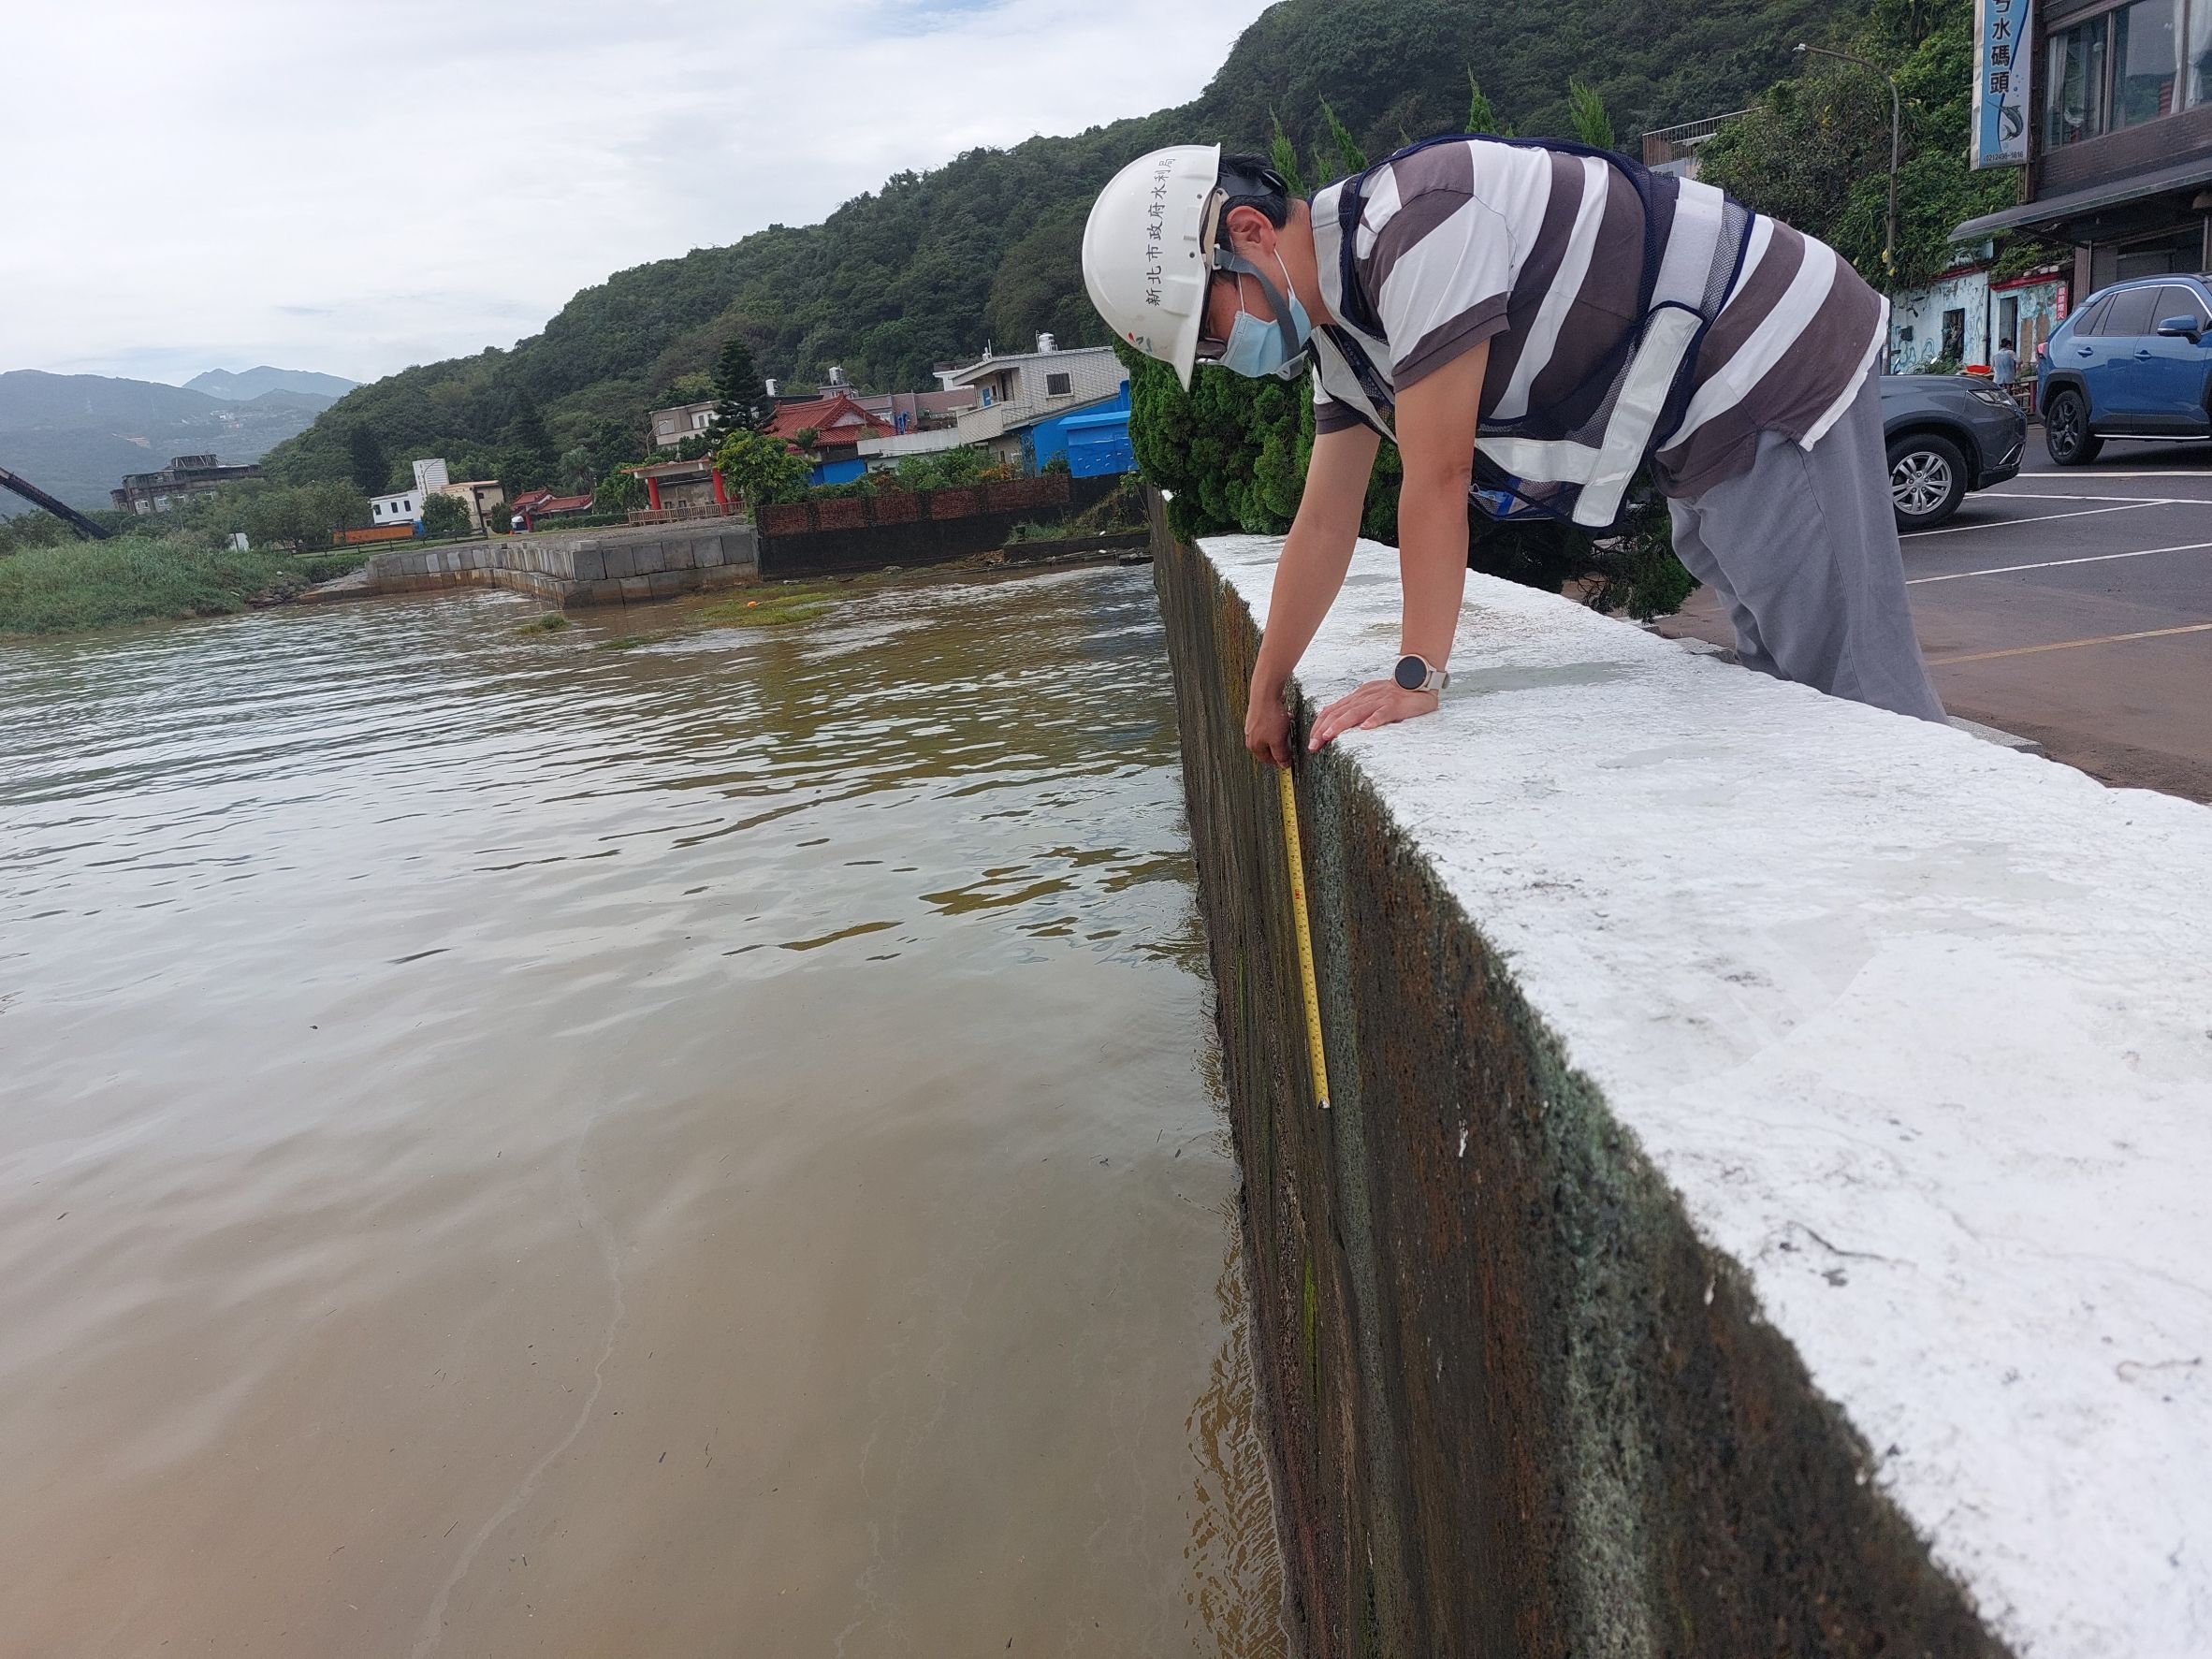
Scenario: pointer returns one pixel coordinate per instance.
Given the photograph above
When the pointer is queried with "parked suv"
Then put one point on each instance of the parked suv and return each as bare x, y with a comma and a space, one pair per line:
1948, 434
2133, 361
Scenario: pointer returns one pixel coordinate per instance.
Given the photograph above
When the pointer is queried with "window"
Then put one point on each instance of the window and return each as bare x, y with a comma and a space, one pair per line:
2131, 64
377, 508
1058, 386
2177, 302
2092, 320
2146, 65
2073, 99
2197, 53
2130, 310
1955, 334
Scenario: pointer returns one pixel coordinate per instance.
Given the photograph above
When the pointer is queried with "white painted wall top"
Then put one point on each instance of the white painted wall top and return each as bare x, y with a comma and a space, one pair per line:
1920, 1029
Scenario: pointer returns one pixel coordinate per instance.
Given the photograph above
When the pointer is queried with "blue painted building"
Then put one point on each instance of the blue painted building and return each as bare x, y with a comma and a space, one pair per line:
1094, 439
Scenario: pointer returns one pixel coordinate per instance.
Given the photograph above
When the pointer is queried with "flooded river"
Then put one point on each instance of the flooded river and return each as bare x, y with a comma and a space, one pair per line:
515, 1145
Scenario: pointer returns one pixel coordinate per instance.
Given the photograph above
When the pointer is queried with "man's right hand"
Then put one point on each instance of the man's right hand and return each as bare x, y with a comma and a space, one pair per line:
1267, 725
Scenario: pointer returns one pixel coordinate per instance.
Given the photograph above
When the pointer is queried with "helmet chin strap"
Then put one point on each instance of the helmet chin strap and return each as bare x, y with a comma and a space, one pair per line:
1230, 259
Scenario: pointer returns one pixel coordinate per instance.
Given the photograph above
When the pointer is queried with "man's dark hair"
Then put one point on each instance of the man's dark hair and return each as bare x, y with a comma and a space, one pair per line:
1251, 183
2005, 344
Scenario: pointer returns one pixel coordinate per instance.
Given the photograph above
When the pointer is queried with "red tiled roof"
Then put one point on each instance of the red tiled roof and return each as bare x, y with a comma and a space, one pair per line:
837, 418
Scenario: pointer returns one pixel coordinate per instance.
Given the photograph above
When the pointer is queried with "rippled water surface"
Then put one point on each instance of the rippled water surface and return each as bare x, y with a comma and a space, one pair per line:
515, 1145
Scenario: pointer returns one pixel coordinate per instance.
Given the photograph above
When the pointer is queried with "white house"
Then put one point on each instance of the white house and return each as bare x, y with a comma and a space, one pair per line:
671, 426
401, 506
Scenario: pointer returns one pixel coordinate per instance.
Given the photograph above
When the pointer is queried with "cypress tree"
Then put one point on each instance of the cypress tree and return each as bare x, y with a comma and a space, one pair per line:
371, 469
742, 401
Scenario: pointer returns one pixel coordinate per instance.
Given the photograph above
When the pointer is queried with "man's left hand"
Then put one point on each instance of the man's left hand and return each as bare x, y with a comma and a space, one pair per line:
1378, 702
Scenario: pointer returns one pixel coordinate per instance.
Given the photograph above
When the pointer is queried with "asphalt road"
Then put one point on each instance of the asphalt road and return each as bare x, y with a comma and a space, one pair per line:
2073, 605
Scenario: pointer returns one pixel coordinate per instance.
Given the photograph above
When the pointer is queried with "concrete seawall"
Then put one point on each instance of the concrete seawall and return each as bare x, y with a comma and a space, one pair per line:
619, 566
1759, 1213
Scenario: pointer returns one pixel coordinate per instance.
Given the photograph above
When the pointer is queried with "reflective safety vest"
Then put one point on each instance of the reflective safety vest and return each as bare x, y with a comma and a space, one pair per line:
1572, 460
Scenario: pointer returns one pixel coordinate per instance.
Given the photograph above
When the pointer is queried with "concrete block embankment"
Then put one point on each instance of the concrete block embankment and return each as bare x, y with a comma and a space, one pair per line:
597, 567
1761, 1208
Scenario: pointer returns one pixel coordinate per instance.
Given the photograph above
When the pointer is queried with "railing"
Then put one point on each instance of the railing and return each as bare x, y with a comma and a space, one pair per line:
1672, 143
683, 510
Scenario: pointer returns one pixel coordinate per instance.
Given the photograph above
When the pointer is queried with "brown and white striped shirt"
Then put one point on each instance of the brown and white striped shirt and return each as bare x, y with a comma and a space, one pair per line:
1541, 252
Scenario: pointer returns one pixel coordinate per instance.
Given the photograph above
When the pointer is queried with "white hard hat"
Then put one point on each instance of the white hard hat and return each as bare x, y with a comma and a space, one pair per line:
1146, 255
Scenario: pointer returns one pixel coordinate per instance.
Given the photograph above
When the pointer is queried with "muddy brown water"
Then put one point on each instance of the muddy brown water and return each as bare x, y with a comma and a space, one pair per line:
510, 1145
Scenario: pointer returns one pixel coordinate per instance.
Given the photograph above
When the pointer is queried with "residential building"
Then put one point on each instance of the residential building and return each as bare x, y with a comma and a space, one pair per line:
919, 411
1032, 379
400, 507
479, 495
2119, 139
538, 507
839, 423
432, 477
671, 426
1961, 317
1023, 388
185, 476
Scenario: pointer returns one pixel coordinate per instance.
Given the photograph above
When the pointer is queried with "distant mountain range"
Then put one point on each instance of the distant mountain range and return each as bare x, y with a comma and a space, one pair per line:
241, 389
78, 434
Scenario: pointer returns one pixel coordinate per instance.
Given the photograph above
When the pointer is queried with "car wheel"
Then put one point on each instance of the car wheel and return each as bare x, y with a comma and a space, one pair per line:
2066, 430
1927, 480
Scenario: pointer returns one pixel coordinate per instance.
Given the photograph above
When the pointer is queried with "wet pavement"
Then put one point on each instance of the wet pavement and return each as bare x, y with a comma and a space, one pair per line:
650, 1138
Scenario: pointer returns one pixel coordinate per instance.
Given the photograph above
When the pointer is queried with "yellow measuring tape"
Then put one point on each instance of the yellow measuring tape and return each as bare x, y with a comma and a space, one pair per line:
1305, 936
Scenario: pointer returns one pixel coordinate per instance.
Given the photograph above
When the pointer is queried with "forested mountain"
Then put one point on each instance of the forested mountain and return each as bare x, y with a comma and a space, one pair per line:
934, 265
78, 434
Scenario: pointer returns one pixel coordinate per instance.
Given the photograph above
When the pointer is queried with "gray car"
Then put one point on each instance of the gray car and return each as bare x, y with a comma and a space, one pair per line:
1948, 434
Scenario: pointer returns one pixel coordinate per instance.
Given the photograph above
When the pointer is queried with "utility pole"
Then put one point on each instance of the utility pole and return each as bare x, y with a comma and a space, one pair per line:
1896, 129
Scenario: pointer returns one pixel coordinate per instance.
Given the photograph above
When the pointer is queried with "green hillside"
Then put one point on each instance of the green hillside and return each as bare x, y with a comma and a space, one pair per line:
934, 265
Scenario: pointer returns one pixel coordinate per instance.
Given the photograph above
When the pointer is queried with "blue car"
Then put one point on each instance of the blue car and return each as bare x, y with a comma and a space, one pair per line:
2133, 361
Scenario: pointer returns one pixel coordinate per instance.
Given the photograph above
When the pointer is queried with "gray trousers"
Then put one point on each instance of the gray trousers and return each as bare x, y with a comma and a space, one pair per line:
1802, 551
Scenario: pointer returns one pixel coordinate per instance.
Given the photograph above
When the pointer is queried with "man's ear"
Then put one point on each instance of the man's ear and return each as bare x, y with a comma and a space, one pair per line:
1250, 233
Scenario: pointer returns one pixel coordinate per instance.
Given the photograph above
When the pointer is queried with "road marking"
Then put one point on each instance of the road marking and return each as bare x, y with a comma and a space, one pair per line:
2006, 570
2068, 645
2045, 495
2203, 472
2014, 523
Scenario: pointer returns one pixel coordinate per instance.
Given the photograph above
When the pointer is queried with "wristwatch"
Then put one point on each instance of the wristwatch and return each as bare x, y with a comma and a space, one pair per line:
1416, 674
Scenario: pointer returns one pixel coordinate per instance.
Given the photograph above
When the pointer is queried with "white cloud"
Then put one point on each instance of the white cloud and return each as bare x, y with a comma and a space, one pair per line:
356, 186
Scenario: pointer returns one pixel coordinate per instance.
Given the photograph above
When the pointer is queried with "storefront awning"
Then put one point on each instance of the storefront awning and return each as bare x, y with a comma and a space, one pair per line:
2056, 210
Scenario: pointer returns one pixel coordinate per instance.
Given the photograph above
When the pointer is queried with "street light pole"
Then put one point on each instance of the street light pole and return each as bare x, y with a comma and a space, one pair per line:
1896, 127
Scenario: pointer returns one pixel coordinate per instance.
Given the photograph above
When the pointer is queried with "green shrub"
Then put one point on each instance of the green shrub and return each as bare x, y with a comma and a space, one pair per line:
75, 586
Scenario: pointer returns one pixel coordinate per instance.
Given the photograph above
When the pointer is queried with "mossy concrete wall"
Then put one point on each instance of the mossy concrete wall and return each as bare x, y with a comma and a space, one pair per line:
593, 567
1520, 1403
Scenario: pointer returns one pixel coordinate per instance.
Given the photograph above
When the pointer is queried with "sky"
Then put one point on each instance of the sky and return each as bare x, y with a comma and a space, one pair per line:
356, 185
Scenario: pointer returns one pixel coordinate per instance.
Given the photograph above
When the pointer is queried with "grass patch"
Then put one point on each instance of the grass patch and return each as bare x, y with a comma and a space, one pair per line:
76, 586
629, 642
772, 607
551, 622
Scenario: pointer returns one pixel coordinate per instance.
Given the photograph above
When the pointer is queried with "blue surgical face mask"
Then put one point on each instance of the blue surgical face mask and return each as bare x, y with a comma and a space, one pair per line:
1256, 349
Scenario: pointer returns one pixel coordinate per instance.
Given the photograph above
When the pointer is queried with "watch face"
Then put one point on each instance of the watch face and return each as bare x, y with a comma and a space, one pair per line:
1412, 671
